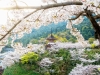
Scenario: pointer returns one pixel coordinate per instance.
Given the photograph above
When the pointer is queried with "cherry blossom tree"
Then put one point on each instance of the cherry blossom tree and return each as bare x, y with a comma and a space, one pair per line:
21, 17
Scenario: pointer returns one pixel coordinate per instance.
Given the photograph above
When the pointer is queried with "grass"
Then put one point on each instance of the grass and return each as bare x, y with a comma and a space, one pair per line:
16, 69
91, 53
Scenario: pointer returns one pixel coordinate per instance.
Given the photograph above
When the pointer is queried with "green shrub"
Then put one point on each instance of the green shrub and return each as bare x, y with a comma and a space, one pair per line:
91, 40
30, 57
46, 73
19, 70
90, 54
93, 45
67, 64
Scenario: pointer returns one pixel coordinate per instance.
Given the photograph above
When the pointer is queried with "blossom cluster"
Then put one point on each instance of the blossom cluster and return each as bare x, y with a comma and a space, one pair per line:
46, 62
84, 70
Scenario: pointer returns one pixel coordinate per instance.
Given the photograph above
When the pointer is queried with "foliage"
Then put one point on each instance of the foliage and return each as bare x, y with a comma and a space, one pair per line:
73, 40
60, 39
18, 70
64, 65
34, 41
42, 40
99, 69
91, 40
93, 45
9, 43
46, 73
30, 57
90, 54
85, 28
96, 62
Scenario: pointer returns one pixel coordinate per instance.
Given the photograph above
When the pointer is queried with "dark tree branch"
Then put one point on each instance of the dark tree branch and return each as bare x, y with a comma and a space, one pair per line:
43, 7
84, 14
95, 6
54, 1
77, 16
97, 16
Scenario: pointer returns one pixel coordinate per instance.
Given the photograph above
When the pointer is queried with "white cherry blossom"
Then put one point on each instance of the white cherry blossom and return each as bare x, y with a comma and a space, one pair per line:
46, 62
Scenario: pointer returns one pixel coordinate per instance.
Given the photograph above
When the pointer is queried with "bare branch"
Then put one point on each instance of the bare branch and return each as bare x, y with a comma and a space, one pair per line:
54, 1
78, 15
42, 7
97, 16
84, 14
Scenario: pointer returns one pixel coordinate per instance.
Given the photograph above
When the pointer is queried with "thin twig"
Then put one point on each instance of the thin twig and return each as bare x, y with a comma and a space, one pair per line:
77, 16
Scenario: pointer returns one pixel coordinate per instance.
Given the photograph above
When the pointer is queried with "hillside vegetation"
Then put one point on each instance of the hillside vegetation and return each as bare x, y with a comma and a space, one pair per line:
59, 30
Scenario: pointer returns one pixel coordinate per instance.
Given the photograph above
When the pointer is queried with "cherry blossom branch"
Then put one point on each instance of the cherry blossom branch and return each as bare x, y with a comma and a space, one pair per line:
42, 7
17, 24
39, 15
37, 8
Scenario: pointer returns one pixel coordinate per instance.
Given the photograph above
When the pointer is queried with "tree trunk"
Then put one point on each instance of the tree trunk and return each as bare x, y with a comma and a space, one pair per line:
94, 23
99, 41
